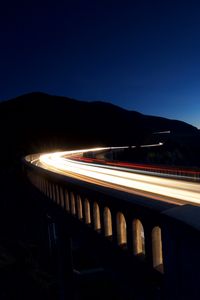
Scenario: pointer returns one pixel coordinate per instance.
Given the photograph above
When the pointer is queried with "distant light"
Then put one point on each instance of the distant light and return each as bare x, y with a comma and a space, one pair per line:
152, 145
122, 147
160, 132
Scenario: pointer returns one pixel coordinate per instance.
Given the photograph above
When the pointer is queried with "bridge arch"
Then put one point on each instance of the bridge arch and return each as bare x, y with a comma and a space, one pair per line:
67, 200
47, 189
50, 190
107, 222
38, 182
121, 230
157, 249
87, 211
96, 216
138, 237
79, 207
62, 197
57, 195
41, 184
72, 202
44, 186
54, 193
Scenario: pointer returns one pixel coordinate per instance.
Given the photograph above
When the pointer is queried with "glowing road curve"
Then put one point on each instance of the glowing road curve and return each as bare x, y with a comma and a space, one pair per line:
119, 178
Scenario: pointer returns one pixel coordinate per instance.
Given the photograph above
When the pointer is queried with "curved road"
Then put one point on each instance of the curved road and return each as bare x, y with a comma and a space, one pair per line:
124, 179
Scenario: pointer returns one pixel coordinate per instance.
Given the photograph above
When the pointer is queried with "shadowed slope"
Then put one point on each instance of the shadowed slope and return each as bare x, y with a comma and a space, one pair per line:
40, 122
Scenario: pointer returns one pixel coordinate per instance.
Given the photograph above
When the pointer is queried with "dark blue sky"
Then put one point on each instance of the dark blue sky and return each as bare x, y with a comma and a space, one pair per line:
142, 55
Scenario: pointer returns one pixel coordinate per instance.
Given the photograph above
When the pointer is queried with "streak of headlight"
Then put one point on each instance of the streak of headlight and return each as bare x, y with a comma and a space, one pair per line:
166, 187
73, 152
152, 145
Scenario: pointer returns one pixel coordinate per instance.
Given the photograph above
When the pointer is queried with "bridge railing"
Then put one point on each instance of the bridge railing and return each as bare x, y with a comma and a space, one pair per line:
171, 171
149, 231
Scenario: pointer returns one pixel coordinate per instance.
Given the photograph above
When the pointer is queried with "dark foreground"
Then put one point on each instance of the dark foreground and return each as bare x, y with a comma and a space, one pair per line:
25, 269
24, 272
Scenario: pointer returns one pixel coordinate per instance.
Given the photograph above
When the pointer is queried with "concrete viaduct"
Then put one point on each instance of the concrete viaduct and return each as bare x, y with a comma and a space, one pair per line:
155, 246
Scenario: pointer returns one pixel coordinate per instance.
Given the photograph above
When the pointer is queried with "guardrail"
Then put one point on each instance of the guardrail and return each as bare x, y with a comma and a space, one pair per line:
155, 169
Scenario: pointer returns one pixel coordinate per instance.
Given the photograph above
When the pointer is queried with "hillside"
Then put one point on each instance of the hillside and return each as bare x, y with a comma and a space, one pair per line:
40, 122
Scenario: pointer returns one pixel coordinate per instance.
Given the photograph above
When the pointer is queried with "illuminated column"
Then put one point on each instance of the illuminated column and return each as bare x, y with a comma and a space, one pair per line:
87, 211
96, 217
79, 207
121, 230
107, 222
157, 255
72, 202
138, 238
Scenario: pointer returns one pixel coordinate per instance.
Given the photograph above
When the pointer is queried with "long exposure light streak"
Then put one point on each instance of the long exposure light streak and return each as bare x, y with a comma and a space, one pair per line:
62, 162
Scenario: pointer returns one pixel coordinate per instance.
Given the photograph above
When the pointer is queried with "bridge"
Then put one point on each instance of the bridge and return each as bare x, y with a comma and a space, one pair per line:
145, 222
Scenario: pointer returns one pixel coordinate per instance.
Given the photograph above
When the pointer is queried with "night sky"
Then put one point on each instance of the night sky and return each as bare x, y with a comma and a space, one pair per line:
141, 55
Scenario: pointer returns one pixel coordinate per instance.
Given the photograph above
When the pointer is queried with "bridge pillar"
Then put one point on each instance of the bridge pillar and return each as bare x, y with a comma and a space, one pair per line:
181, 252
148, 244
61, 257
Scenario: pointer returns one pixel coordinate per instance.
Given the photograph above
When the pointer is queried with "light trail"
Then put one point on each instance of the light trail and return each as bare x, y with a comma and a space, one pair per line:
160, 188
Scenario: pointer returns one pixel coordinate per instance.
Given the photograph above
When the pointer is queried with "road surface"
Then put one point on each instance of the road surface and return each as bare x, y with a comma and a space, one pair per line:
172, 190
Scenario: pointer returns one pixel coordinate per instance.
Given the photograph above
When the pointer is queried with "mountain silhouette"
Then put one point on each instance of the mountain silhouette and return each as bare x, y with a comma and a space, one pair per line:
37, 122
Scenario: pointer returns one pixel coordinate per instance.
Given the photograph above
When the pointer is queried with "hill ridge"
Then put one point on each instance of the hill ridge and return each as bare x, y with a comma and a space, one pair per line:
38, 122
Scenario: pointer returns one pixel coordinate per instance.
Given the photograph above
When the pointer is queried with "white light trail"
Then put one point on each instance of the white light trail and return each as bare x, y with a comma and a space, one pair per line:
62, 162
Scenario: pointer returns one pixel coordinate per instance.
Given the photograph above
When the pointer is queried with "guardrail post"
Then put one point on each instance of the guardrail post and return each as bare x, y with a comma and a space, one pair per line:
181, 251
